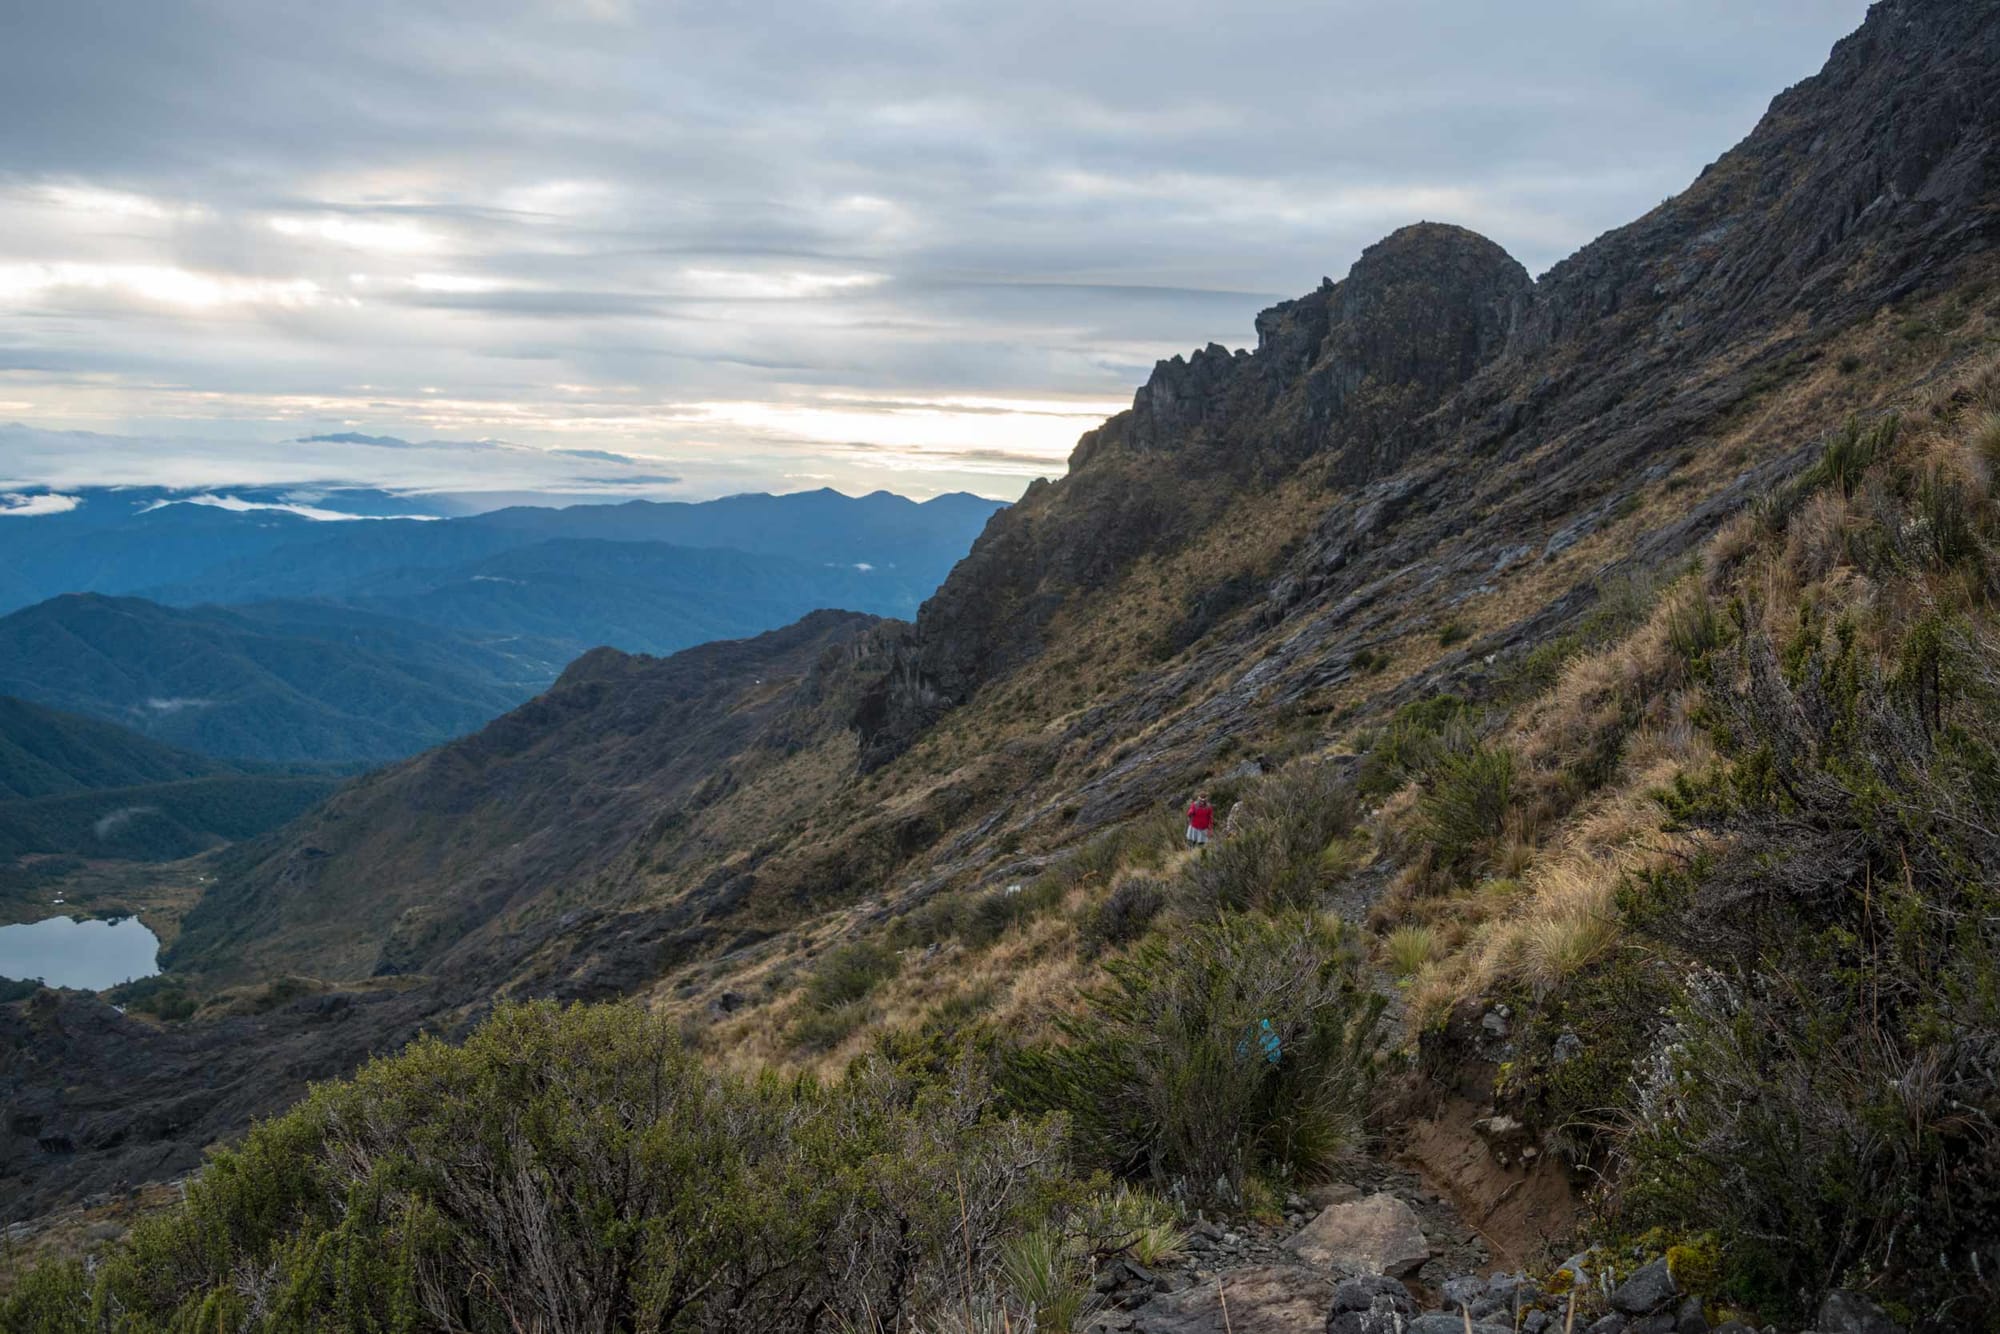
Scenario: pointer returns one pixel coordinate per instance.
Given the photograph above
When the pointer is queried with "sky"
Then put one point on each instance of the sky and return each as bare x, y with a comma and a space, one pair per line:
691, 247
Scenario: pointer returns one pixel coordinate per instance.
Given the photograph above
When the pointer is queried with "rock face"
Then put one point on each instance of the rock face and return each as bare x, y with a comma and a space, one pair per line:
1375, 1235
1862, 186
1339, 372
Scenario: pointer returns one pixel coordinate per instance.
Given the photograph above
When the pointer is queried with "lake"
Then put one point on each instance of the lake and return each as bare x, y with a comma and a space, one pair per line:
79, 952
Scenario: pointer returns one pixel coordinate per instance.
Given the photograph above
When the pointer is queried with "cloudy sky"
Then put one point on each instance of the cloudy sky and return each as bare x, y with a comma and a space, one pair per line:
879, 243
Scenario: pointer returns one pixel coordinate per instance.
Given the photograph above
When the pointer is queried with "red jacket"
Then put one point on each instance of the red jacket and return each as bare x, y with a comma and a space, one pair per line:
1201, 815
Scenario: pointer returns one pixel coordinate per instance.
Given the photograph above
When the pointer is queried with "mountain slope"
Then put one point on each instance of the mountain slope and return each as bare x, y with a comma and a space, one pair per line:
820, 539
1434, 443
496, 834
1432, 479
917, 541
45, 753
76, 786
643, 597
280, 686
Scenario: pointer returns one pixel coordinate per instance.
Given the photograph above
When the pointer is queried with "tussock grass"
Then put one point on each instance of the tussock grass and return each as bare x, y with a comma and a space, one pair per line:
1985, 442
1409, 948
1044, 1272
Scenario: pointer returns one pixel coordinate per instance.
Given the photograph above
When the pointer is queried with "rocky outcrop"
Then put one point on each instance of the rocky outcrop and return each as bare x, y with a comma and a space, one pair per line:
1375, 1235
1338, 374
1869, 184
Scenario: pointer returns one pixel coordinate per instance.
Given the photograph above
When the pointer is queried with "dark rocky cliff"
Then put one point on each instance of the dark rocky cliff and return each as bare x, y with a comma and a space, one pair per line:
1871, 183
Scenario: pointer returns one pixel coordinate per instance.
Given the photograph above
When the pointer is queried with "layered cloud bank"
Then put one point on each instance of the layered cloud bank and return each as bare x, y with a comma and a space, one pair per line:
874, 244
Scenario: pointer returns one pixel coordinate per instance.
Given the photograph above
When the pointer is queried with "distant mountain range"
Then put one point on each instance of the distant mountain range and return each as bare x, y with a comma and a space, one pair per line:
186, 548
283, 682
77, 786
269, 627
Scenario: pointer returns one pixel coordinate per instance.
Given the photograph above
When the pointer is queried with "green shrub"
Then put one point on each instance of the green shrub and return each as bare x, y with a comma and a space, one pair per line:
1125, 1221
1276, 854
1421, 733
1044, 1271
53, 1298
850, 973
1453, 632
1124, 914
1695, 629
817, 1030
1409, 948
1944, 530
577, 1169
1986, 444
1169, 1072
1463, 811
1827, 1103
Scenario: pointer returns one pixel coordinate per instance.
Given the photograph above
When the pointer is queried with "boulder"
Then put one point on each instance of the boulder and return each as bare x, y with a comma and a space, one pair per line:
1332, 1193
1649, 1289
1375, 1235
1273, 1299
1437, 1322
1462, 1292
1851, 1313
1371, 1304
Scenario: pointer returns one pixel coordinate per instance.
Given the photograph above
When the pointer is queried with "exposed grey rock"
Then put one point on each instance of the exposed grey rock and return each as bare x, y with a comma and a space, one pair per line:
1463, 1291
1370, 1304
1272, 1299
1649, 1289
1851, 1313
1330, 1194
1611, 1324
1375, 1235
1689, 1318
1437, 1322
1366, 1291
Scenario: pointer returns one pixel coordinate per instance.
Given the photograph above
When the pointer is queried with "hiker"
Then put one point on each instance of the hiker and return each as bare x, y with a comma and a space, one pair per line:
1201, 818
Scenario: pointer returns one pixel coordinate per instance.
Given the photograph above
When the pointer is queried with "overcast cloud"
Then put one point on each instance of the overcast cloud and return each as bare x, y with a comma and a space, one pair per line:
876, 243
